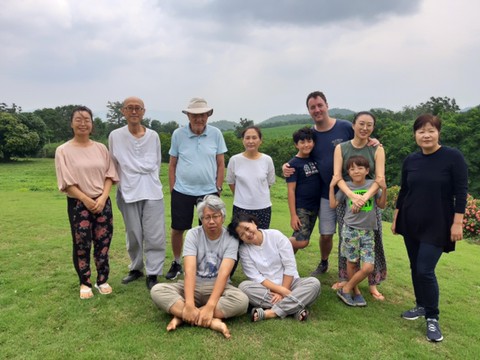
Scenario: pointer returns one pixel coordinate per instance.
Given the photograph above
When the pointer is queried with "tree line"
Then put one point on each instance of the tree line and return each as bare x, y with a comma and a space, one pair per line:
24, 134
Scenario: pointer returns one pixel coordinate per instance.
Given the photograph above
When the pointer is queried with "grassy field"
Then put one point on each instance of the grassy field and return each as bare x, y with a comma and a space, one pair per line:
42, 317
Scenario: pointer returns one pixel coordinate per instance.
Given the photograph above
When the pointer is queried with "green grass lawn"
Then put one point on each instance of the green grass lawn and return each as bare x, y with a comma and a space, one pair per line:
42, 317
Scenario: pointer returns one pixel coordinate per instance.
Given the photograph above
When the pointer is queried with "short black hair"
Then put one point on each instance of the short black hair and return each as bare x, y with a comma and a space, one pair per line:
358, 160
305, 133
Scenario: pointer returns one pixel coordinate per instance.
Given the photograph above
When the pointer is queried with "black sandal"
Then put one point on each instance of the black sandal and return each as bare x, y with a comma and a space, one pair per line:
301, 315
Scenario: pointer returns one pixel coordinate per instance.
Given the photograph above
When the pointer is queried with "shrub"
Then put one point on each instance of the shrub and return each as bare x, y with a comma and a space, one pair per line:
471, 220
392, 195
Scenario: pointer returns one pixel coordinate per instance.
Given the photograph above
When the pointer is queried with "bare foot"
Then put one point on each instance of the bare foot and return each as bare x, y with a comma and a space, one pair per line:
338, 285
220, 326
172, 325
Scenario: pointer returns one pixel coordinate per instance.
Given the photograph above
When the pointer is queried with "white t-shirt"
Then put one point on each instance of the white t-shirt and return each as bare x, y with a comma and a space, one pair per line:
138, 162
252, 179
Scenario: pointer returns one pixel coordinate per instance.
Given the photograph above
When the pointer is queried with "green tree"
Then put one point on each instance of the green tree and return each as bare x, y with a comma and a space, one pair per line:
12, 109
57, 121
99, 131
115, 118
244, 123
35, 123
438, 105
16, 140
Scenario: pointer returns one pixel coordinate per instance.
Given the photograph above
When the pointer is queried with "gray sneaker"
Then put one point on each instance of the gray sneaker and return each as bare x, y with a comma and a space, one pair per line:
346, 297
321, 268
359, 300
433, 331
414, 314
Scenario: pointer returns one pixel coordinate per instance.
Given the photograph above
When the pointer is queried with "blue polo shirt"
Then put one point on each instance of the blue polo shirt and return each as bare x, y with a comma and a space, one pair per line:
196, 172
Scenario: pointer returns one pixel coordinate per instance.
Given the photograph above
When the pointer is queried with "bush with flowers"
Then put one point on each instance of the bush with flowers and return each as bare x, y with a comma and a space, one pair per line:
471, 220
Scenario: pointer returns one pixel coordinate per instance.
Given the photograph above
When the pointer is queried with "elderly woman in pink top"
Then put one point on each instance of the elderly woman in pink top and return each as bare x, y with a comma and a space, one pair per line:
85, 172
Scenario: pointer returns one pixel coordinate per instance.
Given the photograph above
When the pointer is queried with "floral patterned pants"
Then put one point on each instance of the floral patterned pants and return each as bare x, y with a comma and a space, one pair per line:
88, 228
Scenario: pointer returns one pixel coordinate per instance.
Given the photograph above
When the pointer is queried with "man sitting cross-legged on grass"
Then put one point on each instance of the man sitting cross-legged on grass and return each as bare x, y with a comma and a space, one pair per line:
358, 228
205, 297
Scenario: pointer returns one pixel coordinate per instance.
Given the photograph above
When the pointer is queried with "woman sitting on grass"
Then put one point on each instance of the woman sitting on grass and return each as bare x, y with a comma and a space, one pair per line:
274, 288
85, 172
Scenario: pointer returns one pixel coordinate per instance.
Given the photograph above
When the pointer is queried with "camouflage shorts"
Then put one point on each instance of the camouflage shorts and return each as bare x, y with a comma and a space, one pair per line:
357, 244
308, 219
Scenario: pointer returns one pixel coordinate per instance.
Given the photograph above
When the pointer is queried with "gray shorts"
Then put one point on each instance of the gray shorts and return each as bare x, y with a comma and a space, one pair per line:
327, 218
308, 218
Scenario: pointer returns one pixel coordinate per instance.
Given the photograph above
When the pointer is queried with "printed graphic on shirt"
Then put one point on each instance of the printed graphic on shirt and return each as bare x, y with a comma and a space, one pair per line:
310, 168
368, 205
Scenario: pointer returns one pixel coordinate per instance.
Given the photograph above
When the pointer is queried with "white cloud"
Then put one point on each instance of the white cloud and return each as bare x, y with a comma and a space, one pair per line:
248, 59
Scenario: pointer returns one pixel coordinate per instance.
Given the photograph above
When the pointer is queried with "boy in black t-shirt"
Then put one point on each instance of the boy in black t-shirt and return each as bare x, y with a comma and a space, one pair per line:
303, 190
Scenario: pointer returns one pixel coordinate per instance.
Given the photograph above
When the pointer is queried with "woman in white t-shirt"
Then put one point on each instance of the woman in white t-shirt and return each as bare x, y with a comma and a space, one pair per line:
85, 172
250, 175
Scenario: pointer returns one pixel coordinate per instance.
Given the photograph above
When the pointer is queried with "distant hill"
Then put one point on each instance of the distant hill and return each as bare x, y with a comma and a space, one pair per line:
302, 118
224, 125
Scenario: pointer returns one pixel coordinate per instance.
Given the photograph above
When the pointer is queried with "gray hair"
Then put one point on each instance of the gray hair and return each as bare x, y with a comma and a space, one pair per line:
213, 202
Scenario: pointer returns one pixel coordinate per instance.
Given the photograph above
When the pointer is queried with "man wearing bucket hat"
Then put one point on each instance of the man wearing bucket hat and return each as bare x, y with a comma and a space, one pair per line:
196, 169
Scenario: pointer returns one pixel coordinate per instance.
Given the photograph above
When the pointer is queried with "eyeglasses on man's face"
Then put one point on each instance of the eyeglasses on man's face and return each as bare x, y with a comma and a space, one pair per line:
131, 108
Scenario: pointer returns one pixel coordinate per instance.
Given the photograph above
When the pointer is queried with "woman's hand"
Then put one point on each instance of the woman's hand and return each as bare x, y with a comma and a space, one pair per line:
335, 180
357, 202
456, 232
99, 205
275, 297
89, 203
394, 228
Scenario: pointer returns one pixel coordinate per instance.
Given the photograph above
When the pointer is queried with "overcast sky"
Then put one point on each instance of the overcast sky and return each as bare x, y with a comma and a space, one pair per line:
249, 58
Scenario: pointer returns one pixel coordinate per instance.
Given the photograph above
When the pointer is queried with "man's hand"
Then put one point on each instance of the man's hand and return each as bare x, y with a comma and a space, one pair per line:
190, 314
287, 170
205, 316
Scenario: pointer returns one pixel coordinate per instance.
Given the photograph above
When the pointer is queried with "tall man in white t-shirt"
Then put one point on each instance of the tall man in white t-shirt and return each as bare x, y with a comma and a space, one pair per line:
137, 156
196, 169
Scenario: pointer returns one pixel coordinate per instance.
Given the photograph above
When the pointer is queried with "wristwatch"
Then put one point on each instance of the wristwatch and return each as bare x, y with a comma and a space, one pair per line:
219, 189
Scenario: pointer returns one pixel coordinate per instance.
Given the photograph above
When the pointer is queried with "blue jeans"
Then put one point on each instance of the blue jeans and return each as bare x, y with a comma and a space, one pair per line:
423, 260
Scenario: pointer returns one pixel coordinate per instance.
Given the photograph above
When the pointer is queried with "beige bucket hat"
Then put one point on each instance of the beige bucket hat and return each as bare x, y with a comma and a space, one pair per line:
198, 106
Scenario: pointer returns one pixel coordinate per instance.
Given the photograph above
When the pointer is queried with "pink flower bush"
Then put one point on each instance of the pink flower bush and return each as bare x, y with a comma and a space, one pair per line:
471, 220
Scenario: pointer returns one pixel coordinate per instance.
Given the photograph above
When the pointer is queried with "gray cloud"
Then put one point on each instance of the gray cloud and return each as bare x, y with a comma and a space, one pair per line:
291, 12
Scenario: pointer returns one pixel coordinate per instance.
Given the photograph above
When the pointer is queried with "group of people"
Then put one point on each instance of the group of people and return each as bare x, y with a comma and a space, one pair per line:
338, 175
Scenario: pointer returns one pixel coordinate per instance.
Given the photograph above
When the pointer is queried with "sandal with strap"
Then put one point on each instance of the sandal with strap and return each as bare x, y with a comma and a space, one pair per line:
85, 292
377, 295
104, 289
301, 315
257, 314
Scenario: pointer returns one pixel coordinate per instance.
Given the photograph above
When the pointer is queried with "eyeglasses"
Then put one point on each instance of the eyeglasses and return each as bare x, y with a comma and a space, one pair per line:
134, 108
214, 217
82, 121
